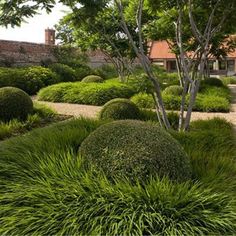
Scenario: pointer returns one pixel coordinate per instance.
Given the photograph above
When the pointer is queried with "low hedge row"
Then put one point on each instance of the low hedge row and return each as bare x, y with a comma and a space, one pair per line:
204, 102
228, 80
32, 79
86, 93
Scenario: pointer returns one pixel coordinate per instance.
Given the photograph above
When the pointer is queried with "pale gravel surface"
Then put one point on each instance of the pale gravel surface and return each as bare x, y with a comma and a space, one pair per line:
77, 110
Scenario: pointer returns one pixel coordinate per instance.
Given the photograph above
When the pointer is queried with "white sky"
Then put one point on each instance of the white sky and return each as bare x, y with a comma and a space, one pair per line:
33, 30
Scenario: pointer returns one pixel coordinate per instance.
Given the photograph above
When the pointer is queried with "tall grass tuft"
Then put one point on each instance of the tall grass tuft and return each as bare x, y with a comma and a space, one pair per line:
211, 145
54, 194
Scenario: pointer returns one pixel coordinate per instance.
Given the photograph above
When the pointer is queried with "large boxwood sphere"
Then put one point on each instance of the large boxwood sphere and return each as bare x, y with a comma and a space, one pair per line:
92, 79
136, 150
120, 109
14, 103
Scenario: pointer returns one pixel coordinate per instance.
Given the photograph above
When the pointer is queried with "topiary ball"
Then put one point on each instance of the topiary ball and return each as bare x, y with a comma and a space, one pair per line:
14, 104
213, 82
175, 90
120, 109
136, 150
92, 79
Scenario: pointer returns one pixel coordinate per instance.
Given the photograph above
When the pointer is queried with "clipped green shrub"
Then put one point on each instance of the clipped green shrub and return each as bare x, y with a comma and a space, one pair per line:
16, 78
213, 82
228, 80
85, 93
64, 72
135, 149
30, 79
119, 109
44, 74
143, 100
175, 90
92, 79
14, 103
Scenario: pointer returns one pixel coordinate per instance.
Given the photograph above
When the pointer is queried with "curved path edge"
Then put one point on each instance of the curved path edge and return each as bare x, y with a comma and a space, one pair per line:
78, 110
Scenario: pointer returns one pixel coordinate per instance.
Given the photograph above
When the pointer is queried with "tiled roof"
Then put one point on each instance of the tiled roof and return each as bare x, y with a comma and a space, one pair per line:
161, 50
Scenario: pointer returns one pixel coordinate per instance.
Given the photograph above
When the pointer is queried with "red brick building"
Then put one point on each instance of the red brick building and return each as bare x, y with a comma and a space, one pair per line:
160, 54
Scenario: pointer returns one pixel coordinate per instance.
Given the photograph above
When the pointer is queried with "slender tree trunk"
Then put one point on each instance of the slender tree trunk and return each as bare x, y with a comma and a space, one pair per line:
140, 53
179, 71
182, 106
157, 109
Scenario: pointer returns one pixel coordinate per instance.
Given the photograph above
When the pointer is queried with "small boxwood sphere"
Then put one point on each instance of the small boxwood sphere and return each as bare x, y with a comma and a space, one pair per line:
14, 104
92, 79
120, 109
175, 90
136, 150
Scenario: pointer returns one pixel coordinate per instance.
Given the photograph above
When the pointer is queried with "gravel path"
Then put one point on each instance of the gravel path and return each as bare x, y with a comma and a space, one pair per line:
77, 110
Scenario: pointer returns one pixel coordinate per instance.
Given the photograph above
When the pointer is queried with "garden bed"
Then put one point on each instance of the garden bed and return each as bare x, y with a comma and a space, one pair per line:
43, 178
42, 116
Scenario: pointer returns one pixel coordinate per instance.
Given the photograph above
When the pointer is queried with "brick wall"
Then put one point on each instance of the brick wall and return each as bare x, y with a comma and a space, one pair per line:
24, 53
97, 58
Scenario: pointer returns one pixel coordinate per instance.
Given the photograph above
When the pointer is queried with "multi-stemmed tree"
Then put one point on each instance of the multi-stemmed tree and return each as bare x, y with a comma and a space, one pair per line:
101, 30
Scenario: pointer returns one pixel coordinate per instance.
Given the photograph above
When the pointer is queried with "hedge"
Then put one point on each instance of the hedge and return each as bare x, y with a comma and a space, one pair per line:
85, 93
30, 79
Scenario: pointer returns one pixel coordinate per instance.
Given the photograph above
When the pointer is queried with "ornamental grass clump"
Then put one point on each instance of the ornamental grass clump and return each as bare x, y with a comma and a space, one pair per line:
136, 150
46, 188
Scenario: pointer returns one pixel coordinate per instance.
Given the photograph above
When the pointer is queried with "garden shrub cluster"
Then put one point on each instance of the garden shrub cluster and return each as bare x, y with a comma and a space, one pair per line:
14, 104
120, 109
86, 93
65, 196
64, 72
136, 150
30, 79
